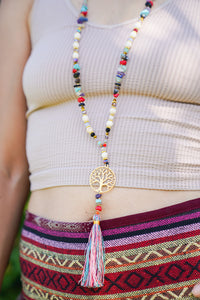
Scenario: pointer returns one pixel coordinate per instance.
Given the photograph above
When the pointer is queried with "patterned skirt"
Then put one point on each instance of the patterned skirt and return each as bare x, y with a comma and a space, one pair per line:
151, 255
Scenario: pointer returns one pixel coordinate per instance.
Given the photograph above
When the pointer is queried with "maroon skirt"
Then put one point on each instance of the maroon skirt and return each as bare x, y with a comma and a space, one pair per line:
152, 255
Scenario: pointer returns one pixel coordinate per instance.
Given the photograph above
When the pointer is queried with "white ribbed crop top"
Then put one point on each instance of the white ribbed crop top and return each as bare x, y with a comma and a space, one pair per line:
155, 140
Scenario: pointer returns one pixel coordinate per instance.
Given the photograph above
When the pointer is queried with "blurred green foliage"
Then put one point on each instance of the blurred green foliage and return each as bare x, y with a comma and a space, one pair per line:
11, 287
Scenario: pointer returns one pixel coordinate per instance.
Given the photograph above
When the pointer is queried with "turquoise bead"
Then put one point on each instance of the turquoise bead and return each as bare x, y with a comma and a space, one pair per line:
76, 67
122, 68
144, 13
83, 8
126, 50
118, 79
98, 201
77, 89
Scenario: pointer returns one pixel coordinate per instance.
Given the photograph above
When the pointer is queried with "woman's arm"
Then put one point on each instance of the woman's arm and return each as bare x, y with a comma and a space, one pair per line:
14, 183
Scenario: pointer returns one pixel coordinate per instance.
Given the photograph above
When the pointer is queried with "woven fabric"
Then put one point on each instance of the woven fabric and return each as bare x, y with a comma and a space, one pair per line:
153, 255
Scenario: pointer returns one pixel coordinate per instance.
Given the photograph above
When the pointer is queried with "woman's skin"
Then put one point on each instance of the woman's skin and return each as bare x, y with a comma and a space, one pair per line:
56, 202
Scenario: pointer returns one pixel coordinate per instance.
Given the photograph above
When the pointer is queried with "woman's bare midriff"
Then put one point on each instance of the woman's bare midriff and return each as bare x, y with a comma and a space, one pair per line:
77, 203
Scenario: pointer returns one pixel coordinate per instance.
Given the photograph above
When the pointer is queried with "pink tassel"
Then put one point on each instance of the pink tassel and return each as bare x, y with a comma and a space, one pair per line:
94, 268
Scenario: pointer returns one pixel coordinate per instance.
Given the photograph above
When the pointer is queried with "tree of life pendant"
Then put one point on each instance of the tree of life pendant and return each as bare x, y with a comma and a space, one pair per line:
102, 179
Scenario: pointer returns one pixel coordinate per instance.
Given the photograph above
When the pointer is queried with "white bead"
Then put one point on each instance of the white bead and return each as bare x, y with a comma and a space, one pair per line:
85, 118
133, 34
113, 111
75, 45
111, 118
137, 25
109, 123
89, 129
77, 36
75, 54
104, 155
128, 44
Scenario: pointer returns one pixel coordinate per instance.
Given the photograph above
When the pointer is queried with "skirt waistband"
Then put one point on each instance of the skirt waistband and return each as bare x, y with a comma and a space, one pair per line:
165, 212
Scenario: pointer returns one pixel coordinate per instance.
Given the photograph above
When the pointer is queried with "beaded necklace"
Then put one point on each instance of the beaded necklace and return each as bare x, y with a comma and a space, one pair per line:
102, 179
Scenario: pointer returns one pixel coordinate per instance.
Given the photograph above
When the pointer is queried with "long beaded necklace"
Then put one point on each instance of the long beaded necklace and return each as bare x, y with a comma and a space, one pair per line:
102, 179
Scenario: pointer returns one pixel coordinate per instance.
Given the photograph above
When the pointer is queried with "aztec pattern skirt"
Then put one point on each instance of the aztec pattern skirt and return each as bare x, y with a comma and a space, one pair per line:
151, 255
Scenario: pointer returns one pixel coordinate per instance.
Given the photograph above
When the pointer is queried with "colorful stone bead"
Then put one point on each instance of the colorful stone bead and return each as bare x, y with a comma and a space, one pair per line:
81, 99
128, 44
126, 50
124, 56
98, 201
77, 89
116, 95
98, 207
109, 124
84, 13
144, 13
89, 129
76, 74
98, 196
137, 25
104, 155
77, 67
84, 8
81, 20
113, 111
123, 62
77, 36
149, 4
111, 117
85, 118
75, 45
121, 68
133, 34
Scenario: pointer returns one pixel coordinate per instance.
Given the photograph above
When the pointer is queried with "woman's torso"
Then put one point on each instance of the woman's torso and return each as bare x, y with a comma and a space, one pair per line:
76, 203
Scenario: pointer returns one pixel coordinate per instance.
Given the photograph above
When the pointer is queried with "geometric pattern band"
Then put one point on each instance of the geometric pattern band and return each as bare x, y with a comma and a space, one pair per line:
161, 264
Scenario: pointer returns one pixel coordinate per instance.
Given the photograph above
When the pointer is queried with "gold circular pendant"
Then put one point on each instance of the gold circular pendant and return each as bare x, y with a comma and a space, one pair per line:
102, 179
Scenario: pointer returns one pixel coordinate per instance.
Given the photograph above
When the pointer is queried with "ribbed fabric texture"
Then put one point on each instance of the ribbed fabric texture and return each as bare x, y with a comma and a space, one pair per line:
155, 140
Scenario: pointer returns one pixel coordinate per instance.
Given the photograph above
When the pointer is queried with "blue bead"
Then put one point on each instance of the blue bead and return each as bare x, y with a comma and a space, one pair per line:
98, 196
81, 20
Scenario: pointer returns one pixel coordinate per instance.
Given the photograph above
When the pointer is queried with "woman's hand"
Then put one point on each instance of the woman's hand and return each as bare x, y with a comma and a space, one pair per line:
196, 290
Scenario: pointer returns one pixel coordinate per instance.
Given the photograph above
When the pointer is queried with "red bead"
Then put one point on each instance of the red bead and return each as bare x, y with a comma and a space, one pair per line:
104, 145
123, 62
81, 99
84, 13
151, 2
116, 95
135, 29
74, 70
99, 208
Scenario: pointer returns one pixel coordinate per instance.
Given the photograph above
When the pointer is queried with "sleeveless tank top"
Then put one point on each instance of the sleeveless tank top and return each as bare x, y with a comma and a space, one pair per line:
155, 140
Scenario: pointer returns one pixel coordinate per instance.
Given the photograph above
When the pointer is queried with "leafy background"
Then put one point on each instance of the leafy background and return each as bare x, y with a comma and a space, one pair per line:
11, 287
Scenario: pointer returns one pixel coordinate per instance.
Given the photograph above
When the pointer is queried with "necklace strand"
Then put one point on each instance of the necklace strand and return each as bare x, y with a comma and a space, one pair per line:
102, 179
